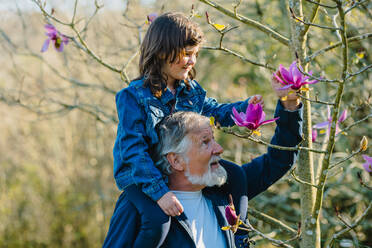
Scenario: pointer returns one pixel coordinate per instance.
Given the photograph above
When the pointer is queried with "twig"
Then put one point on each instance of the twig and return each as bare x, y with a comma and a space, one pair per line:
274, 241
323, 5
240, 57
271, 220
362, 182
323, 50
259, 141
344, 159
316, 100
310, 23
347, 229
356, 123
356, 3
300, 180
358, 72
277, 36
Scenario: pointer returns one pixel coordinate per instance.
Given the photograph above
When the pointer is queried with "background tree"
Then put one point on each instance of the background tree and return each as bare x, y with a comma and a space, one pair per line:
59, 118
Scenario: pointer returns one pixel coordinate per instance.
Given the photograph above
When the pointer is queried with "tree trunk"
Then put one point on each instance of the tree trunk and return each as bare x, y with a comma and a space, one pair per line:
310, 237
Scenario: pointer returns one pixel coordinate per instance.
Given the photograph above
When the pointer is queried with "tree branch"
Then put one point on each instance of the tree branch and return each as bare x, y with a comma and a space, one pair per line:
271, 220
272, 33
326, 49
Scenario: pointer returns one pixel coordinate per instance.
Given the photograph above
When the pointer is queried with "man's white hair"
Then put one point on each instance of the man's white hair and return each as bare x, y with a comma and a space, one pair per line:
172, 133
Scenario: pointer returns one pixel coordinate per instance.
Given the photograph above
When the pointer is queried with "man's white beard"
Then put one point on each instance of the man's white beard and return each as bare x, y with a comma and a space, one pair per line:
210, 178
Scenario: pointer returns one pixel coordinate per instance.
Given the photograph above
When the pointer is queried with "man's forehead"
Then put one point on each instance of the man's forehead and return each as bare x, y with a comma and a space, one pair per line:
202, 131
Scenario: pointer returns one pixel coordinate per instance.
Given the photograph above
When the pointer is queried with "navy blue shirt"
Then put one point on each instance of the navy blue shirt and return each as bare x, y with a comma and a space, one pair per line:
139, 112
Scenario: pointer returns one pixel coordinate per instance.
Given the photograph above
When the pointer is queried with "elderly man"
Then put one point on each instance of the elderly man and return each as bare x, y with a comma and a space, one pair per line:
190, 155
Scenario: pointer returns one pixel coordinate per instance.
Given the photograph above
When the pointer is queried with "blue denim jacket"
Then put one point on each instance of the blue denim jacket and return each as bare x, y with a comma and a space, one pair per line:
139, 112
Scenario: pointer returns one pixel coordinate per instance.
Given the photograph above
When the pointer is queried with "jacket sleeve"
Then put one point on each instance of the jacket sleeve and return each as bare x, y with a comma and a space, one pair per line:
132, 147
221, 111
265, 170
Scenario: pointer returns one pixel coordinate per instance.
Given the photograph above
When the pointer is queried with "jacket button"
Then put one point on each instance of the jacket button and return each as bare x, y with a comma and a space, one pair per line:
190, 102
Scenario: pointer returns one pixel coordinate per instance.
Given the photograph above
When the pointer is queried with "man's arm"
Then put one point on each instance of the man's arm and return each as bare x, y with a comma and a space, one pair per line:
270, 167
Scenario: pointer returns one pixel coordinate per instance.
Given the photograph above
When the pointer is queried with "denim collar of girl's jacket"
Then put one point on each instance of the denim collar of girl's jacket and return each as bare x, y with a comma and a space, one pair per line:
167, 96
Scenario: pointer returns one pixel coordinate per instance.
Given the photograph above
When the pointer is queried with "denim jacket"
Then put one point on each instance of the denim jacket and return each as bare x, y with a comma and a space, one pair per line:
139, 112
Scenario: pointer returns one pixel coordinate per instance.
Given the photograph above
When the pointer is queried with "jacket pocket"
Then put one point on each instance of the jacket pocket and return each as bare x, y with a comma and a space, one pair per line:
192, 103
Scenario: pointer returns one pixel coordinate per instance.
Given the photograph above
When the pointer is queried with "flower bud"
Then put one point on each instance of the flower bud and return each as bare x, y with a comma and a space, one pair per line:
363, 144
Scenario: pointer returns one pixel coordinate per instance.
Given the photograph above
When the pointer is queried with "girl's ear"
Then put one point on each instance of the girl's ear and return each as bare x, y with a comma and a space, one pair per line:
176, 161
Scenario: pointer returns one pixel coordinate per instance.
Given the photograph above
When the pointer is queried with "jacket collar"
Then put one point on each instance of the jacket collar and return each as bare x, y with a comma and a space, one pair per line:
218, 204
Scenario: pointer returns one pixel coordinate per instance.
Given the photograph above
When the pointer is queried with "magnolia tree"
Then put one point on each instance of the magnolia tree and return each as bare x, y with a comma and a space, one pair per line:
322, 59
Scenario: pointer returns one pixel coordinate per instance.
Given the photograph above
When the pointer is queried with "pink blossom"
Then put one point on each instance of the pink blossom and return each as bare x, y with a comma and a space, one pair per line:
252, 118
293, 78
58, 39
327, 124
368, 164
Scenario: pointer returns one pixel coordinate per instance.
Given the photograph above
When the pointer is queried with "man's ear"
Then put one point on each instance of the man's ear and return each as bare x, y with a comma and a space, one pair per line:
176, 161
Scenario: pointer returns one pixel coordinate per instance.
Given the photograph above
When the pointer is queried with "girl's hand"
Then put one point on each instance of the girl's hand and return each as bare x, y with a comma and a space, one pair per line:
257, 99
288, 97
170, 204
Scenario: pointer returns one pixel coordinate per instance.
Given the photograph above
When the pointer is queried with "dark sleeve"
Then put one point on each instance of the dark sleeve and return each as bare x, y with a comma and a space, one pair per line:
132, 148
265, 170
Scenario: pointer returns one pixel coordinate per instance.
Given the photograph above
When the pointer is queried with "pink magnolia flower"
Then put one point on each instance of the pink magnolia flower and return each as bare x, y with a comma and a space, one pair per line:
151, 17
231, 216
368, 164
58, 39
252, 118
327, 124
292, 78
314, 135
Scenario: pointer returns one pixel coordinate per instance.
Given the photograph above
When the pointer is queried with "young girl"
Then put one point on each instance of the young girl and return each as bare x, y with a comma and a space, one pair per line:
165, 85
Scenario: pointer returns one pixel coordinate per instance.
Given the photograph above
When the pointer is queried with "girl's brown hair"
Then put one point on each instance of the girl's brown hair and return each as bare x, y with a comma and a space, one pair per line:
166, 40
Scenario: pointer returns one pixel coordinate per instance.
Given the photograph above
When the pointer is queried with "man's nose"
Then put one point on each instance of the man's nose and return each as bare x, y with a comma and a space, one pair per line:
217, 149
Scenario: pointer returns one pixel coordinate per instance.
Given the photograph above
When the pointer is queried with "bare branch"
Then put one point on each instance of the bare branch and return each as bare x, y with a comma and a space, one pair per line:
271, 220
322, 5
356, 123
259, 141
356, 4
345, 159
316, 100
310, 23
326, 49
351, 227
277, 36
245, 59
359, 72
300, 180
277, 242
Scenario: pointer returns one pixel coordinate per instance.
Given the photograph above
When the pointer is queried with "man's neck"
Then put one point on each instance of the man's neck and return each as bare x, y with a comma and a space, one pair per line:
181, 183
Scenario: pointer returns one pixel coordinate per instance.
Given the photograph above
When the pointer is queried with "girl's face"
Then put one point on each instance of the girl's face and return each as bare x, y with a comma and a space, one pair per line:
179, 69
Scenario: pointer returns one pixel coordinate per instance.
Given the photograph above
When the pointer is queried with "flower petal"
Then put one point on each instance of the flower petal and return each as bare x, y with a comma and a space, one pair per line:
286, 87
285, 74
49, 28
237, 122
279, 79
45, 45
321, 125
237, 116
368, 167
314, 135
368, 159
268, 121
343, 116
